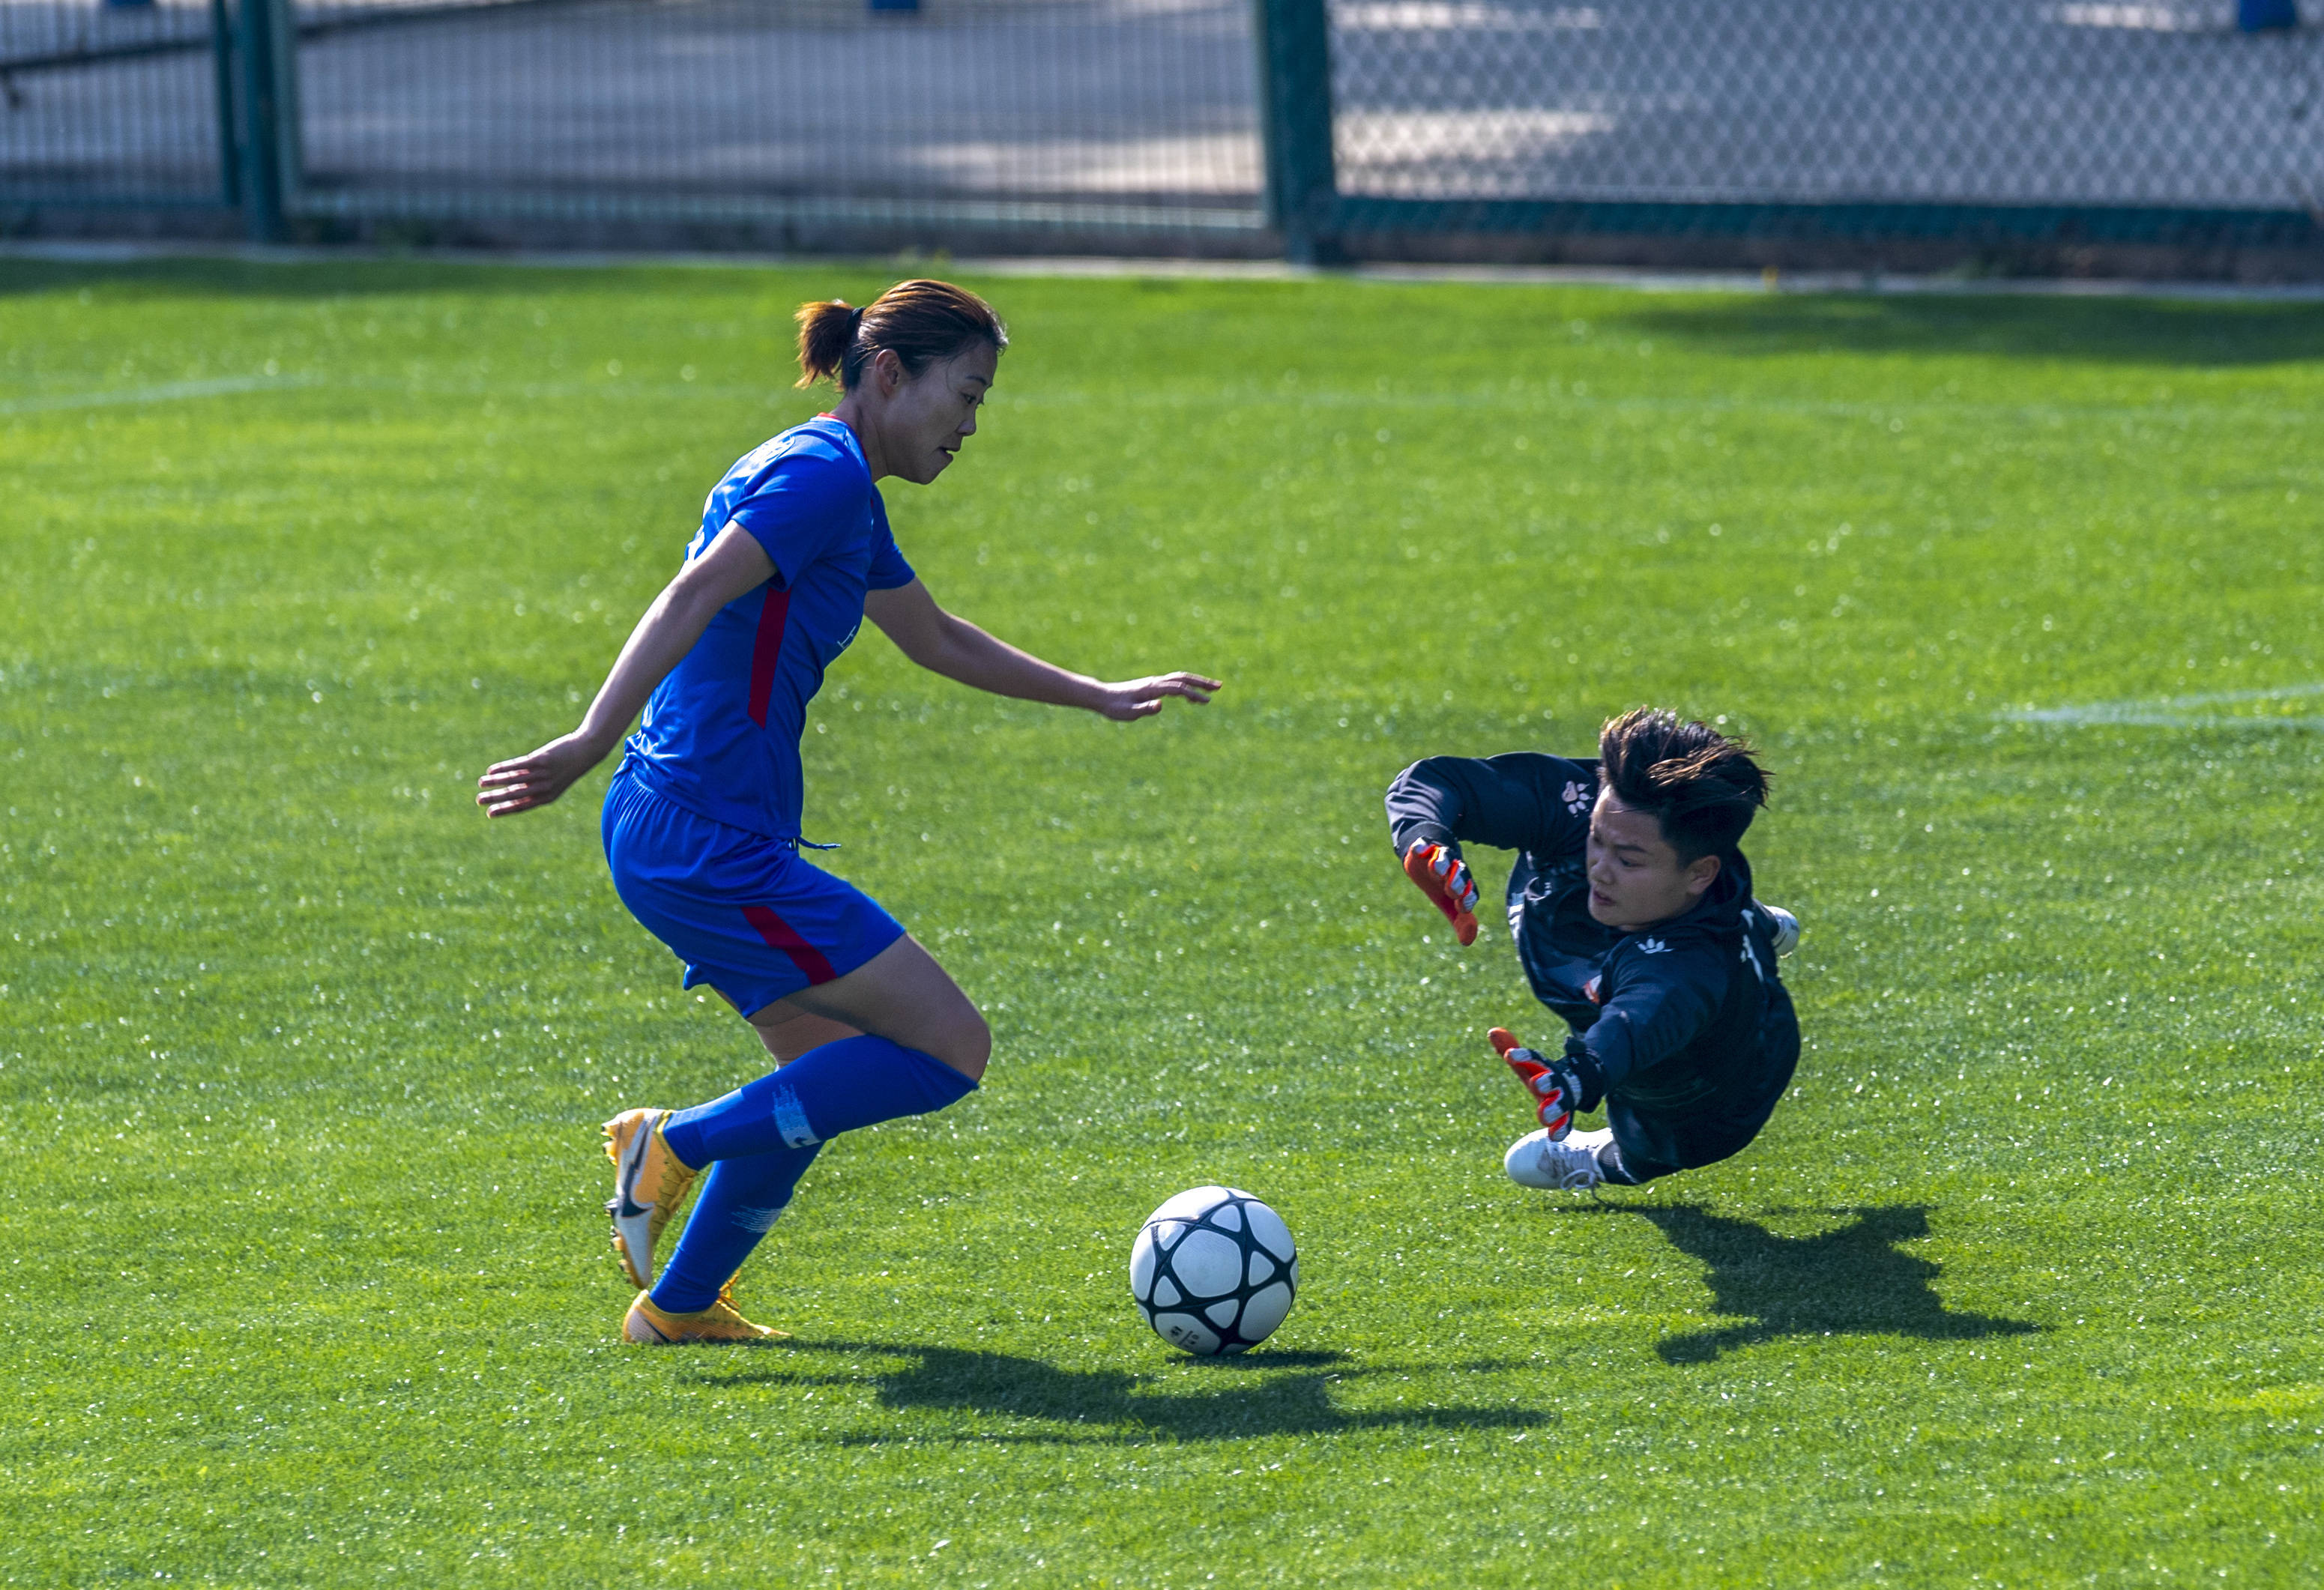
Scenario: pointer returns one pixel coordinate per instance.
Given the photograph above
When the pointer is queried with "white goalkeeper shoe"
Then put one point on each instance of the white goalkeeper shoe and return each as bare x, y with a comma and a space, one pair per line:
1571, 1166
1785, 927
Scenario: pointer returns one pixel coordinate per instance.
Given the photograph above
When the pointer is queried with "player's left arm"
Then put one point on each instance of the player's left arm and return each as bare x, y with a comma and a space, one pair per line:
1655, 1006
944, 643
1649, 1016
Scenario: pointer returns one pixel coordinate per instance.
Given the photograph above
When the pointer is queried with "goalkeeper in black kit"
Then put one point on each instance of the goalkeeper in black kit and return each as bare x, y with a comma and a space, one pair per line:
1634, 922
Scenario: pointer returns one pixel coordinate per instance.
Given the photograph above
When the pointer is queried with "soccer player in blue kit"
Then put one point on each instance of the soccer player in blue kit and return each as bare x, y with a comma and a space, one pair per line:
1633, 918
702, 819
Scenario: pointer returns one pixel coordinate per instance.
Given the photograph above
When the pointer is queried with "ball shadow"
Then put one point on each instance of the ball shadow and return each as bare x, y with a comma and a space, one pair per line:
1249, 1395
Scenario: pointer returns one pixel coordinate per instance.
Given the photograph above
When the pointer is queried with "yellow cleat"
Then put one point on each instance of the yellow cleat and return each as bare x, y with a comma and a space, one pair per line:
718, 1323
649, 1184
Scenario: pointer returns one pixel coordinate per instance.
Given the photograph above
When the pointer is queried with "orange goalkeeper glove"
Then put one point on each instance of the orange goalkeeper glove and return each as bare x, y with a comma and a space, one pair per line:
1557, 1085
1444, 879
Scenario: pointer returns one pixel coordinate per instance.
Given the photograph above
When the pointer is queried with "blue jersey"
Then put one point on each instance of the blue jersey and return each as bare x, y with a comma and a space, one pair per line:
720, 735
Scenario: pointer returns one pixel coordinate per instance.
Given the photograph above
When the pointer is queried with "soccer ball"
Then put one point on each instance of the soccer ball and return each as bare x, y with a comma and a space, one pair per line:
1213, 1271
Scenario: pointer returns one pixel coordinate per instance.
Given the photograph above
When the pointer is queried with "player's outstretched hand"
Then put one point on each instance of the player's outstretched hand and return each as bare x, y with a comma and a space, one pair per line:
538, 778
1556, 1084
1444, 879
1142, 698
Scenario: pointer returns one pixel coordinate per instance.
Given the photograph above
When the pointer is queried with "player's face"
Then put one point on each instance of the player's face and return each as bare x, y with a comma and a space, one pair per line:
933, 412
1635, 877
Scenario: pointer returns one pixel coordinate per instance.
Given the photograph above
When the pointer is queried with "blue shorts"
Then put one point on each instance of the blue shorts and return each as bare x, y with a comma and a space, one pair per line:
742, 911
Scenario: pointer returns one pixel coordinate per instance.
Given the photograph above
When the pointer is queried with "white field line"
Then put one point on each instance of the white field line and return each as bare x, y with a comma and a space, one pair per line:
168, 391
773, 395
2177, 711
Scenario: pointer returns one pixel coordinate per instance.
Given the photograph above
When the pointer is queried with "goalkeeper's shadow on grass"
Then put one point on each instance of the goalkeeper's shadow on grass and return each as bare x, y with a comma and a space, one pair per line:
1853, 1280
1116, 1405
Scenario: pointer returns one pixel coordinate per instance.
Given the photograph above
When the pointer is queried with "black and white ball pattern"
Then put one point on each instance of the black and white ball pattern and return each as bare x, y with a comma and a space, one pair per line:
1213, 1271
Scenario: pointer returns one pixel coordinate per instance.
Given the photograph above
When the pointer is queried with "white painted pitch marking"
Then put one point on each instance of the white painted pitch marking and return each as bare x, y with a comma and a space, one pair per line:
2177, 711
168, 391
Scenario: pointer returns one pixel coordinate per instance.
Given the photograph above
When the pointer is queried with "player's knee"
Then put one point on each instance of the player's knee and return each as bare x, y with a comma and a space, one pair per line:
967, 1046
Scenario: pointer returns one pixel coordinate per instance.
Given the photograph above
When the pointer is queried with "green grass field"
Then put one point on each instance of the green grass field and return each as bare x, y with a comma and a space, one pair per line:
303, 1061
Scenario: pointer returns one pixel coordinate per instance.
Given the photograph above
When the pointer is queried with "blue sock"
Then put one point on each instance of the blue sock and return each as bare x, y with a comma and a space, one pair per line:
740, 1203
855, 1082
760, 1139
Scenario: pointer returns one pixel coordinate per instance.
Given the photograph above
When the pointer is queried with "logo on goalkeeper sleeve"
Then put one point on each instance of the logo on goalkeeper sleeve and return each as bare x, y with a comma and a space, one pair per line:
1444, 879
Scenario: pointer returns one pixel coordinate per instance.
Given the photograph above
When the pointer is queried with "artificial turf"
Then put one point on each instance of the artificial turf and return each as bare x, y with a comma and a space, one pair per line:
303, 1060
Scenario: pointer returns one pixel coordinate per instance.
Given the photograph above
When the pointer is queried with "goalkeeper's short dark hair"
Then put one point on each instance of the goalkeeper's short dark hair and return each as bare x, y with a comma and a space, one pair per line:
1702, 787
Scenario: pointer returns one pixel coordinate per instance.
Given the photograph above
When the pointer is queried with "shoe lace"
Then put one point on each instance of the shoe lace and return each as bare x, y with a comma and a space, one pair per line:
670, 1187
1572, 1168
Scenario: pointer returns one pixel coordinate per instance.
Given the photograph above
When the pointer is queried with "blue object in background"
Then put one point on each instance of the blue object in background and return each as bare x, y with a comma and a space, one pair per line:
128, 4
895, 5
2265, 17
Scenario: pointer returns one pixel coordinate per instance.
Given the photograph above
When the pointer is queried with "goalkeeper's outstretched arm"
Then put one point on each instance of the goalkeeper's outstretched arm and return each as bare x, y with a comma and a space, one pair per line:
1524, 801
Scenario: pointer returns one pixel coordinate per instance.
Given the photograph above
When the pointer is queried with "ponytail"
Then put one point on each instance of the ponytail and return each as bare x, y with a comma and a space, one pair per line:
826, 333
920, 322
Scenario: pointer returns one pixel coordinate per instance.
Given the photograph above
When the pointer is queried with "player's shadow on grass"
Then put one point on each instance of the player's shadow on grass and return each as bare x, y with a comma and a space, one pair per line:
1247, 1396
1853, 1280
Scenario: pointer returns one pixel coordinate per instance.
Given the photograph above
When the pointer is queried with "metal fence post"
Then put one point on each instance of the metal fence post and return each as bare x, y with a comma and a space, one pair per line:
222, 86
1294, 108
259, 43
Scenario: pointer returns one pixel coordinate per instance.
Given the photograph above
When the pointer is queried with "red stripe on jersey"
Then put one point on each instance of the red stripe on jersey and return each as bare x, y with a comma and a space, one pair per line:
767, 651
780, 935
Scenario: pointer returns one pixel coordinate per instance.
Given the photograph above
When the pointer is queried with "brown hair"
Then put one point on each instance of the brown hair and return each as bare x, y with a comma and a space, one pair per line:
920, 322
1701, 785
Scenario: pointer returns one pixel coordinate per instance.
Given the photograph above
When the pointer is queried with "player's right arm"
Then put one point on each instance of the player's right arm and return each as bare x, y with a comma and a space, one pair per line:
1522, 800
733, 564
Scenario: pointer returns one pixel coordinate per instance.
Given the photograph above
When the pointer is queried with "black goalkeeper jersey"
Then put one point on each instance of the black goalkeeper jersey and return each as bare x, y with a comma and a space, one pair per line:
1684, 1018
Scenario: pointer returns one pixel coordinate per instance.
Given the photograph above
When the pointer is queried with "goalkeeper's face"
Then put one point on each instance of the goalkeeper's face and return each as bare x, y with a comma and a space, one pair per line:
1636, 877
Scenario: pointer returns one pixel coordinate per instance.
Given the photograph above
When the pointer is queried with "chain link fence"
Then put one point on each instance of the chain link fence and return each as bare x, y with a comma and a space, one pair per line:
113, 104
1132, 111
1975, 101
1333, 123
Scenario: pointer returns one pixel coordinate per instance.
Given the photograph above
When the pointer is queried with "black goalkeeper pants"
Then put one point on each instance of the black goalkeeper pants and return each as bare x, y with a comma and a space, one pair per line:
1648, 1144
